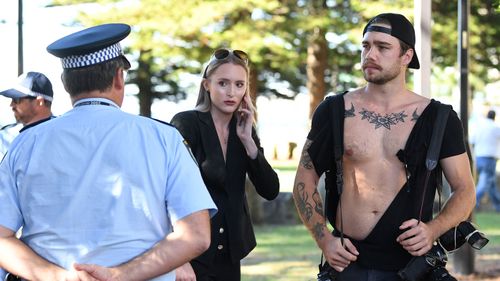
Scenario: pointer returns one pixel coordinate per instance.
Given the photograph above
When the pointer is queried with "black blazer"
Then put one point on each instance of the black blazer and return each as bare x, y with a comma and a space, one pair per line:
226, 180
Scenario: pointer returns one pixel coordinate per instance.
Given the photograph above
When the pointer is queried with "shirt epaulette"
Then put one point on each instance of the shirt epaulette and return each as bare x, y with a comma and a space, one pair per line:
8, 126
163, 122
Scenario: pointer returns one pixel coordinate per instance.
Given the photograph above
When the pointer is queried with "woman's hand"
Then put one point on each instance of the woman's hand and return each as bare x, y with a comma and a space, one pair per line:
244, 125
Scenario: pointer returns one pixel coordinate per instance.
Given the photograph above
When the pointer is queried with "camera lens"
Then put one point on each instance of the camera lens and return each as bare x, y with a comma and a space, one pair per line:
477, 240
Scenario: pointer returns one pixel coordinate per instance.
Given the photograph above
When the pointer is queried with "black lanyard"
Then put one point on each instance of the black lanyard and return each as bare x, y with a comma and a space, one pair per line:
93, 102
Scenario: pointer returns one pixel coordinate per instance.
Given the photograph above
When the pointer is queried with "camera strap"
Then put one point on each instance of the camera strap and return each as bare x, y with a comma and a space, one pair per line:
336, 109
432, 156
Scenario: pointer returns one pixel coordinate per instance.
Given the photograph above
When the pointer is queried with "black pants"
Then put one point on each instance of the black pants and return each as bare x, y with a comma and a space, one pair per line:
222, 268
359, 273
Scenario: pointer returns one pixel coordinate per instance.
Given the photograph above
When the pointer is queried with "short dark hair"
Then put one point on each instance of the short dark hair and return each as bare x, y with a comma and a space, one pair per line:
95, 77
404, 47
491, 114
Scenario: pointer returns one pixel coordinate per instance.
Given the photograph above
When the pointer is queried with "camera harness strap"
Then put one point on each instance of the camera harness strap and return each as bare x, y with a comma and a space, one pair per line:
432, 156
336, 108
337, 104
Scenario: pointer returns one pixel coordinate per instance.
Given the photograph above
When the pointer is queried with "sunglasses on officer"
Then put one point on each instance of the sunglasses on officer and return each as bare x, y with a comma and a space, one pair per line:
19, 100
221, 54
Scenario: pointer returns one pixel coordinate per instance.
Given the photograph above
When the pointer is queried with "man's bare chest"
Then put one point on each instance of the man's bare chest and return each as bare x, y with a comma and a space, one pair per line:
369, 134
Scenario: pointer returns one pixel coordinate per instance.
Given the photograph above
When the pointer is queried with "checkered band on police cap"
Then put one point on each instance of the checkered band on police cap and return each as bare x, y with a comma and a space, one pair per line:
96, 57
91, 46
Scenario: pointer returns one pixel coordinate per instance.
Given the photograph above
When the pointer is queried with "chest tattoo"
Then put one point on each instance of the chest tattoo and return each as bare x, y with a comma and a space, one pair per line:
350, 112
415, 115
385, 121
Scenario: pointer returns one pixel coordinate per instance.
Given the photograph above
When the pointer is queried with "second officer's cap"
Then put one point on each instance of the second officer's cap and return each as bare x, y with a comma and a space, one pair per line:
91, 46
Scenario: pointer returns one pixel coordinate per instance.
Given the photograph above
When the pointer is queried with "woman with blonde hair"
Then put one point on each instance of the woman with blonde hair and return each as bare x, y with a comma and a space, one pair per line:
221, 134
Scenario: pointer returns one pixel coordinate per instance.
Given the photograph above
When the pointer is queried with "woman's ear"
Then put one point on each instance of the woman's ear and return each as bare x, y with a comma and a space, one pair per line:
206, 84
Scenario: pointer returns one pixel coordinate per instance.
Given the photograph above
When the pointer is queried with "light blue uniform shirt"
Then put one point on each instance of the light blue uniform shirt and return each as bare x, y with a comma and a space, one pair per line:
98, 185
7, 135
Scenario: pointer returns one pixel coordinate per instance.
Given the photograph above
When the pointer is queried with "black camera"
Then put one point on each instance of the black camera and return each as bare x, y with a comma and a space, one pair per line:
326, 272
421, 268
431, 266
464, 232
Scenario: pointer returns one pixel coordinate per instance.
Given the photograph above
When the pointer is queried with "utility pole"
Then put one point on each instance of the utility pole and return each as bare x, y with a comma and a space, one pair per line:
422, 24
463, 260
20, 60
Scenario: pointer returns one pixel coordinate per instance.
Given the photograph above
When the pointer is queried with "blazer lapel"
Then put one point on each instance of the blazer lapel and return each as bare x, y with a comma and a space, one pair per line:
210, 141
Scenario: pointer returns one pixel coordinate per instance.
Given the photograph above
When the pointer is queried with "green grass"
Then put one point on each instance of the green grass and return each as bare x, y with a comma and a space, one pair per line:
489, 223
290, 168
289, 252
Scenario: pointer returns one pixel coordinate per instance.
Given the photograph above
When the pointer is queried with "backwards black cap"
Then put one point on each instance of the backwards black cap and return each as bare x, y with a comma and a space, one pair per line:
401, 28
91, 46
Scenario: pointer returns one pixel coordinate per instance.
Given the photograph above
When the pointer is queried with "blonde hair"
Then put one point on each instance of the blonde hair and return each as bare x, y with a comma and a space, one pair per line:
204, 103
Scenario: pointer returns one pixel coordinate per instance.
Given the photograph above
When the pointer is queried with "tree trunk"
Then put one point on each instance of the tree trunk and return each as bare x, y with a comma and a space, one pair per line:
144, 84
254, 200
317, 61
463, 260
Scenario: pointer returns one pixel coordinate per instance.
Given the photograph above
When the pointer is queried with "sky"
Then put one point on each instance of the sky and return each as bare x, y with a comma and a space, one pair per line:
42, 26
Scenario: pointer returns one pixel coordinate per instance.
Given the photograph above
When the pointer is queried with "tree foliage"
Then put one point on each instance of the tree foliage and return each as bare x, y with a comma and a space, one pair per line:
172, 38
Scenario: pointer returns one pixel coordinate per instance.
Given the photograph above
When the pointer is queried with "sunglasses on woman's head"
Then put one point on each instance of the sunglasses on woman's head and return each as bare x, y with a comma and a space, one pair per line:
221, 54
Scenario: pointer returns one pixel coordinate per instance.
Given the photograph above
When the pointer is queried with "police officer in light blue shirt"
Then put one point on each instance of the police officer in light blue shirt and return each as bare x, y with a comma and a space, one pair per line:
100, 194
31, 101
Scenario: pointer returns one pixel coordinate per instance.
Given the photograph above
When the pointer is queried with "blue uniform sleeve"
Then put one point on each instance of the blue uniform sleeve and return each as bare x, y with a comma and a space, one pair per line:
11, 217
185, 191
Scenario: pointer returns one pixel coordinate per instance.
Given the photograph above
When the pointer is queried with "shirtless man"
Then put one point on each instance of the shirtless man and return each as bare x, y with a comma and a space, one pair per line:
386, 128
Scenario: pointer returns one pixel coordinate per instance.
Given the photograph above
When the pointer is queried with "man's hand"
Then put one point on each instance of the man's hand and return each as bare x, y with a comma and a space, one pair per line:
417, 238
338, 256
185, 273
96, 272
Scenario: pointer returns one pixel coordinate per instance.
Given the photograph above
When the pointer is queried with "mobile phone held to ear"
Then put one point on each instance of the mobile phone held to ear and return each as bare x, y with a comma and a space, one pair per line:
242, 114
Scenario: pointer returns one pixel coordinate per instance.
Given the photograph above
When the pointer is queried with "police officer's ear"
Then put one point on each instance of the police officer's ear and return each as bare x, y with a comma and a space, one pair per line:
119, 79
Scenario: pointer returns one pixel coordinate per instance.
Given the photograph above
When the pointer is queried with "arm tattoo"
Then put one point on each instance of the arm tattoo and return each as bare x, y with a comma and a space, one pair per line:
305, 208
305, 159
318, 203
383, 121
318, 231
415, 115
350, 112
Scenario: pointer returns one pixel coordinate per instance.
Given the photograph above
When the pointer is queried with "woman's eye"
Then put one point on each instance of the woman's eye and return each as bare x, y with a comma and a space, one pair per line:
240, 84
222, 83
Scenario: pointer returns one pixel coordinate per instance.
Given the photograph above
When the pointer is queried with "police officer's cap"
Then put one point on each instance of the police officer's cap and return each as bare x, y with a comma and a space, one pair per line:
91, 46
